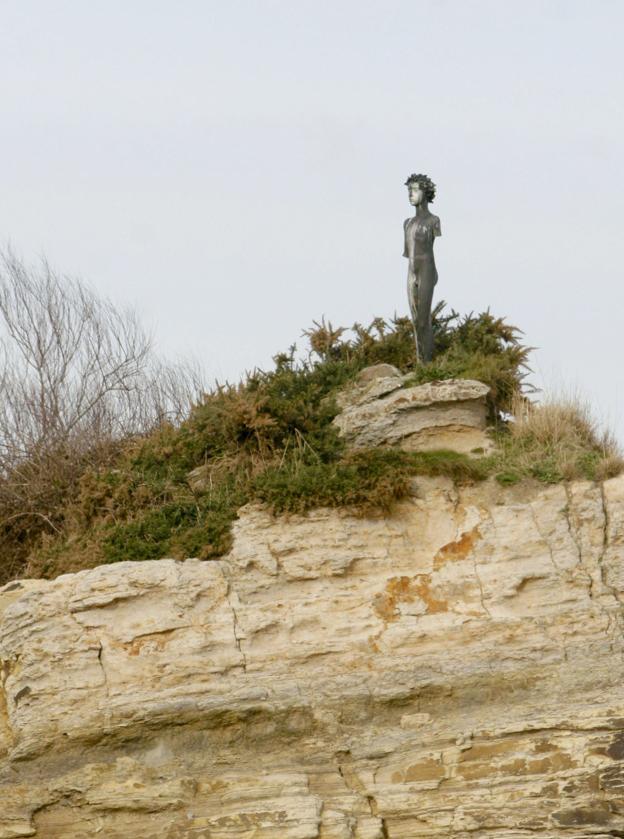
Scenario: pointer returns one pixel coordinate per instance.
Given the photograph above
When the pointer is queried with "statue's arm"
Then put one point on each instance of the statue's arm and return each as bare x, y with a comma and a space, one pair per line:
437, 230
405, 223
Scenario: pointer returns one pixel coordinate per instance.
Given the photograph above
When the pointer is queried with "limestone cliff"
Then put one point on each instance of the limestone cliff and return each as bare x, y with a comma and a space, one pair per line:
452, 670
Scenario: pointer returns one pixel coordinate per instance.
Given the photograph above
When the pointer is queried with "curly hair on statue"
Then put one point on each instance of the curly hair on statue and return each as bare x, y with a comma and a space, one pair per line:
425, 183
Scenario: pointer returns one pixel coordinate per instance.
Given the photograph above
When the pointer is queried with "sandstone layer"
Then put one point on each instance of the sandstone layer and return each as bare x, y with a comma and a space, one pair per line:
382, 409
452, 670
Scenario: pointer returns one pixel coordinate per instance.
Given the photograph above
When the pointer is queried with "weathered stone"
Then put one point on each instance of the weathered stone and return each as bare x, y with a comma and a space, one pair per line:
452, 670
378, 371
380, 410
199, 478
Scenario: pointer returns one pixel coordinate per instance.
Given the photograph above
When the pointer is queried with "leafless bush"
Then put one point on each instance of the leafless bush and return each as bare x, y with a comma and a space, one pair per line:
77, 375
75, 368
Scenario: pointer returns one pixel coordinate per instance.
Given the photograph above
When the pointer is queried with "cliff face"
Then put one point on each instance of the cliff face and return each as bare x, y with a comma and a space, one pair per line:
452, 670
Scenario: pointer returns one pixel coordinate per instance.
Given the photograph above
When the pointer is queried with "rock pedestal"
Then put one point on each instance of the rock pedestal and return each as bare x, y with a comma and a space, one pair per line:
452, 670
383, 409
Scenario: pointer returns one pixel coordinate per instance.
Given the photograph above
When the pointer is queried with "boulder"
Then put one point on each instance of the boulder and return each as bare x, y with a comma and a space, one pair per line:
382, 409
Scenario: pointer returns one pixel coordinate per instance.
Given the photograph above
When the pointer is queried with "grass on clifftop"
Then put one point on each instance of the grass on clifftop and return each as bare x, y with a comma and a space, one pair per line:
555, 441
176, 492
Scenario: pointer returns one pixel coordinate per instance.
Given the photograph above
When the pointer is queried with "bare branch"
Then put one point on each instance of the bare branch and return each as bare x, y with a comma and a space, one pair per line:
77, 375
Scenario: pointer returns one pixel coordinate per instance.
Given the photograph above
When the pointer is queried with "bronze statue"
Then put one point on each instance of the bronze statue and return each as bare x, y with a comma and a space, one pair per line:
420, 232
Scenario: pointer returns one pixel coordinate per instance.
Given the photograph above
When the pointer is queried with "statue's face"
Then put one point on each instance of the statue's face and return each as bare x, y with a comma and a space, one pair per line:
415, 194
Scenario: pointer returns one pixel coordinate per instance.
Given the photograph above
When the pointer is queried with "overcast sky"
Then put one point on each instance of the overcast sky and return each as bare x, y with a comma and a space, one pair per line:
235, 168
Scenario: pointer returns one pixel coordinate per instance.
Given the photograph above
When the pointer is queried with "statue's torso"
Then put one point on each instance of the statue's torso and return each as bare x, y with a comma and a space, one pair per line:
419, 236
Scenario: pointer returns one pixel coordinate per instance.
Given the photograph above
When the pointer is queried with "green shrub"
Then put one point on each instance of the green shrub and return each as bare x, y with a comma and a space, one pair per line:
483, 348
182, 529
480, 347
370, 479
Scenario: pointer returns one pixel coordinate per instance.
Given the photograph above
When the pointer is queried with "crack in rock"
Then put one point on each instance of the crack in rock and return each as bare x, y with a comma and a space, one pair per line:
104, 673
238, 636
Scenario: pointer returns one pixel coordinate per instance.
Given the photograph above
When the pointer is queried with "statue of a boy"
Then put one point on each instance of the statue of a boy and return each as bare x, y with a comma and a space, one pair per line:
420, 232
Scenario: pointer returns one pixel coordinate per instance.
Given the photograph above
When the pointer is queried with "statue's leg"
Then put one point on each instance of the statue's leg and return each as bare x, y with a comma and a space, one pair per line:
412, 299
427, 280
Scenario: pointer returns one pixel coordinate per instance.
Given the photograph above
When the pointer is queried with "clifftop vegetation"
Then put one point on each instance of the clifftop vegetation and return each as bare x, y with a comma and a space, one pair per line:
150, 468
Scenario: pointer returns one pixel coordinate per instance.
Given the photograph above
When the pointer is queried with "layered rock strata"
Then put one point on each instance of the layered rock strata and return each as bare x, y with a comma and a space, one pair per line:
381, 408
452, 670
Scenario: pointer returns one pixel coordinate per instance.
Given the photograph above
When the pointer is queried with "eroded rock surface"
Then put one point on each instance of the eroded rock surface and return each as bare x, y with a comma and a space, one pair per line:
382, 409
454, 670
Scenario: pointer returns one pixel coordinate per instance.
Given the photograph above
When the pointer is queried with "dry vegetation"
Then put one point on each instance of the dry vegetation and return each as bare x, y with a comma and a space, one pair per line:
109, 454
556, 440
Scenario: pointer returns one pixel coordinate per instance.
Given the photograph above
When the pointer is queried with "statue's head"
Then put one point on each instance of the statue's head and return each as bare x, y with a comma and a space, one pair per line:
420, 188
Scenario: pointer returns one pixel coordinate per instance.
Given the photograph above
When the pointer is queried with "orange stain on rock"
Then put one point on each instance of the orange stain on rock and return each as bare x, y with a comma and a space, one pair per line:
407, 590
456, 551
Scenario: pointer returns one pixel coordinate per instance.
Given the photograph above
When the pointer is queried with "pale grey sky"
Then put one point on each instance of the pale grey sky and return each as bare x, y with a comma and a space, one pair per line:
235, 169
